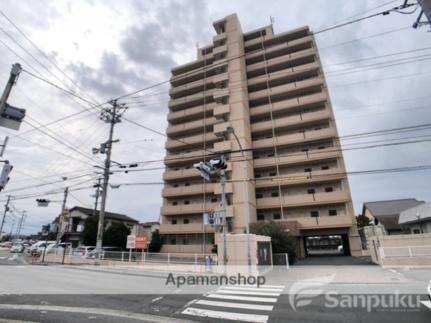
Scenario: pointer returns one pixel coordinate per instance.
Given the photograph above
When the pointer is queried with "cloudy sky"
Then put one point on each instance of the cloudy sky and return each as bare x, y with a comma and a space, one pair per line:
104, 49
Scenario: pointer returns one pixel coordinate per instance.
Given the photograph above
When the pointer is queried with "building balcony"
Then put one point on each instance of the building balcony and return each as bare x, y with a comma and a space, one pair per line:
219, 50
184, 158
195, 189
219, 67
191, 113
197, 208
294, 88
196, 86
290, 104
323, 222
282, 62
301, 178
283, 77
191, 100
221, 111
288, 122
303, 200
297, 158
171, 175
192, 141
222, 146
280, 49
295, 138
190, 127
185, 228
271, 40
219, 38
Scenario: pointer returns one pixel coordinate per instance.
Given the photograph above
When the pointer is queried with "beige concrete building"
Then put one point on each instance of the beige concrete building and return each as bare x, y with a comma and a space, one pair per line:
271, 89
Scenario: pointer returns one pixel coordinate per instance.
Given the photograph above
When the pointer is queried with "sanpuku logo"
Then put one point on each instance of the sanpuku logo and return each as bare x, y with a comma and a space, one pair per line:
303, 292
428, 303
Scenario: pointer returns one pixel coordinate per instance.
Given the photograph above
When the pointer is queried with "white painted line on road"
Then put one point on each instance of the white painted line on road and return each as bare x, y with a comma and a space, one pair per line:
240, 292
93, 311
236, 305
226, 315
261, 286
252, 289
244, 298
156, 299
427, 304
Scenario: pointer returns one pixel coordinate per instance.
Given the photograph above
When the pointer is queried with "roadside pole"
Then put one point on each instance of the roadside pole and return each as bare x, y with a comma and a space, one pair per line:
223, 204
6, 209
61, 219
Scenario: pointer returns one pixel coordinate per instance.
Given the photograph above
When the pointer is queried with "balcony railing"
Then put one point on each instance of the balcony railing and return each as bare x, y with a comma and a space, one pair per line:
303, 200
185, 228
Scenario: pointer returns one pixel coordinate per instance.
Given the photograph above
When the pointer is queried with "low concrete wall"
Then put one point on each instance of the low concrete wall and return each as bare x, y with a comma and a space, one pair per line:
401, 250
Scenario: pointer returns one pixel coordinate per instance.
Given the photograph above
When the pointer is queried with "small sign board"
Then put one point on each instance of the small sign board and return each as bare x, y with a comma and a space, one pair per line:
141, 242
130, 242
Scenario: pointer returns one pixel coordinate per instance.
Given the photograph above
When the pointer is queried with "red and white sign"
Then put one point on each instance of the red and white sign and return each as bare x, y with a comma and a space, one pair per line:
134, 242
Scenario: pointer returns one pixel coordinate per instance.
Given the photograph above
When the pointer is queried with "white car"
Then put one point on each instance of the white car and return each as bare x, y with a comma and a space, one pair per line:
36, 250
17, 247
83, 250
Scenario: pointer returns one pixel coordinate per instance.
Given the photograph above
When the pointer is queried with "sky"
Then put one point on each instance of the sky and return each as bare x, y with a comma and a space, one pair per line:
105, 49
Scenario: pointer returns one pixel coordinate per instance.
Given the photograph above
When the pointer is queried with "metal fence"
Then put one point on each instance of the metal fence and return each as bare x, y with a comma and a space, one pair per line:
70, 255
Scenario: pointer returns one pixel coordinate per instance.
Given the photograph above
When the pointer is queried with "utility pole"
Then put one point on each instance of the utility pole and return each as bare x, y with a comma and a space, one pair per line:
111, 115
6, 209
21, 221
61, 218
96, 195
223, 206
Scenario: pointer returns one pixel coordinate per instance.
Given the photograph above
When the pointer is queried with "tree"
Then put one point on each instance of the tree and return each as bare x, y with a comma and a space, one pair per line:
116, 235
281, 241
89, 234
156, 242
362, 221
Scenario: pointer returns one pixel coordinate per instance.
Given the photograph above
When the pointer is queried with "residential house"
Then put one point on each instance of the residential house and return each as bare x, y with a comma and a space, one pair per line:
417, 219
387, 213
76, 222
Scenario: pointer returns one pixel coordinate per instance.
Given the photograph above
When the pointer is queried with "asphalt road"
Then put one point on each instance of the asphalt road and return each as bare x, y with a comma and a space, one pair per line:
79, 294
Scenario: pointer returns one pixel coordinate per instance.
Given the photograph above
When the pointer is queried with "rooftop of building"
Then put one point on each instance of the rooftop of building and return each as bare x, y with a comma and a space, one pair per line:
419, 213
108, 215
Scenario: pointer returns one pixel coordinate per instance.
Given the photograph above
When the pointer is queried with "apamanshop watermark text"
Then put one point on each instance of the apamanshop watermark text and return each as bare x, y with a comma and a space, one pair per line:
215, 280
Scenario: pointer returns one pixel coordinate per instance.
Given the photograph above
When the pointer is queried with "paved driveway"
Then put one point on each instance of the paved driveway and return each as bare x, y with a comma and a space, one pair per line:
334, 261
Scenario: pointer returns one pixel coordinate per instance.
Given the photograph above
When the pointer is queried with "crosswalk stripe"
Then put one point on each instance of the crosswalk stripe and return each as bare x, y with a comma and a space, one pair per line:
240, 292
236, 305
252, 289
244, 298
260, 286
226, 315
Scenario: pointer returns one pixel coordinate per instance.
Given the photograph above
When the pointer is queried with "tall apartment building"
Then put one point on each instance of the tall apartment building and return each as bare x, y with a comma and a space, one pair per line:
271, 89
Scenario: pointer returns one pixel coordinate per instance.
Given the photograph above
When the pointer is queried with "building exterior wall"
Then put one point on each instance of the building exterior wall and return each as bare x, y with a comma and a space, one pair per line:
271, 90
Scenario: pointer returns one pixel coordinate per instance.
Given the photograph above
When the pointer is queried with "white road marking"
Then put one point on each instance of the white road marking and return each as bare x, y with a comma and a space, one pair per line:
427, 304
93, 311
260, 286
156, 299
236, 305
240, 292
253, 289
226, 315
243, 298
2, 258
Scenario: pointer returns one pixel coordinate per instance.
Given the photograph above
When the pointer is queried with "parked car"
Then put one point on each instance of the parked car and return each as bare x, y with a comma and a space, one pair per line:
17, 248
34, 248
107, 253
83, 250
57, 249
6, 244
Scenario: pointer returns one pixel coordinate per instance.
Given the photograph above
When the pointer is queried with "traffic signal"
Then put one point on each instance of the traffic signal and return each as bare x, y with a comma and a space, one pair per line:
218, 163
42, 202
4, 176
204, 169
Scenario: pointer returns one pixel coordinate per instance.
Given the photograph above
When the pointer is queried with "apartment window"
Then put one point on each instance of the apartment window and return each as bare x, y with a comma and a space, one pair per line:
187, 184
173, 241
318, 128
332, 212
176, 169
314, 214
304, 150
321, 147
185, 241
274, 194
261, 217
272, 173
174, 221
186, 221
257, 175
308, 170
276, 216
271, 155
175, 185
311, 191
325, 167
186, 202
259, 195
416, 231
329, 189
214, 199
174, 203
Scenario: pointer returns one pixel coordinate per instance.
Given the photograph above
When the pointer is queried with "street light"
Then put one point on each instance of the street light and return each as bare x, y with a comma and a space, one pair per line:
230, 130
